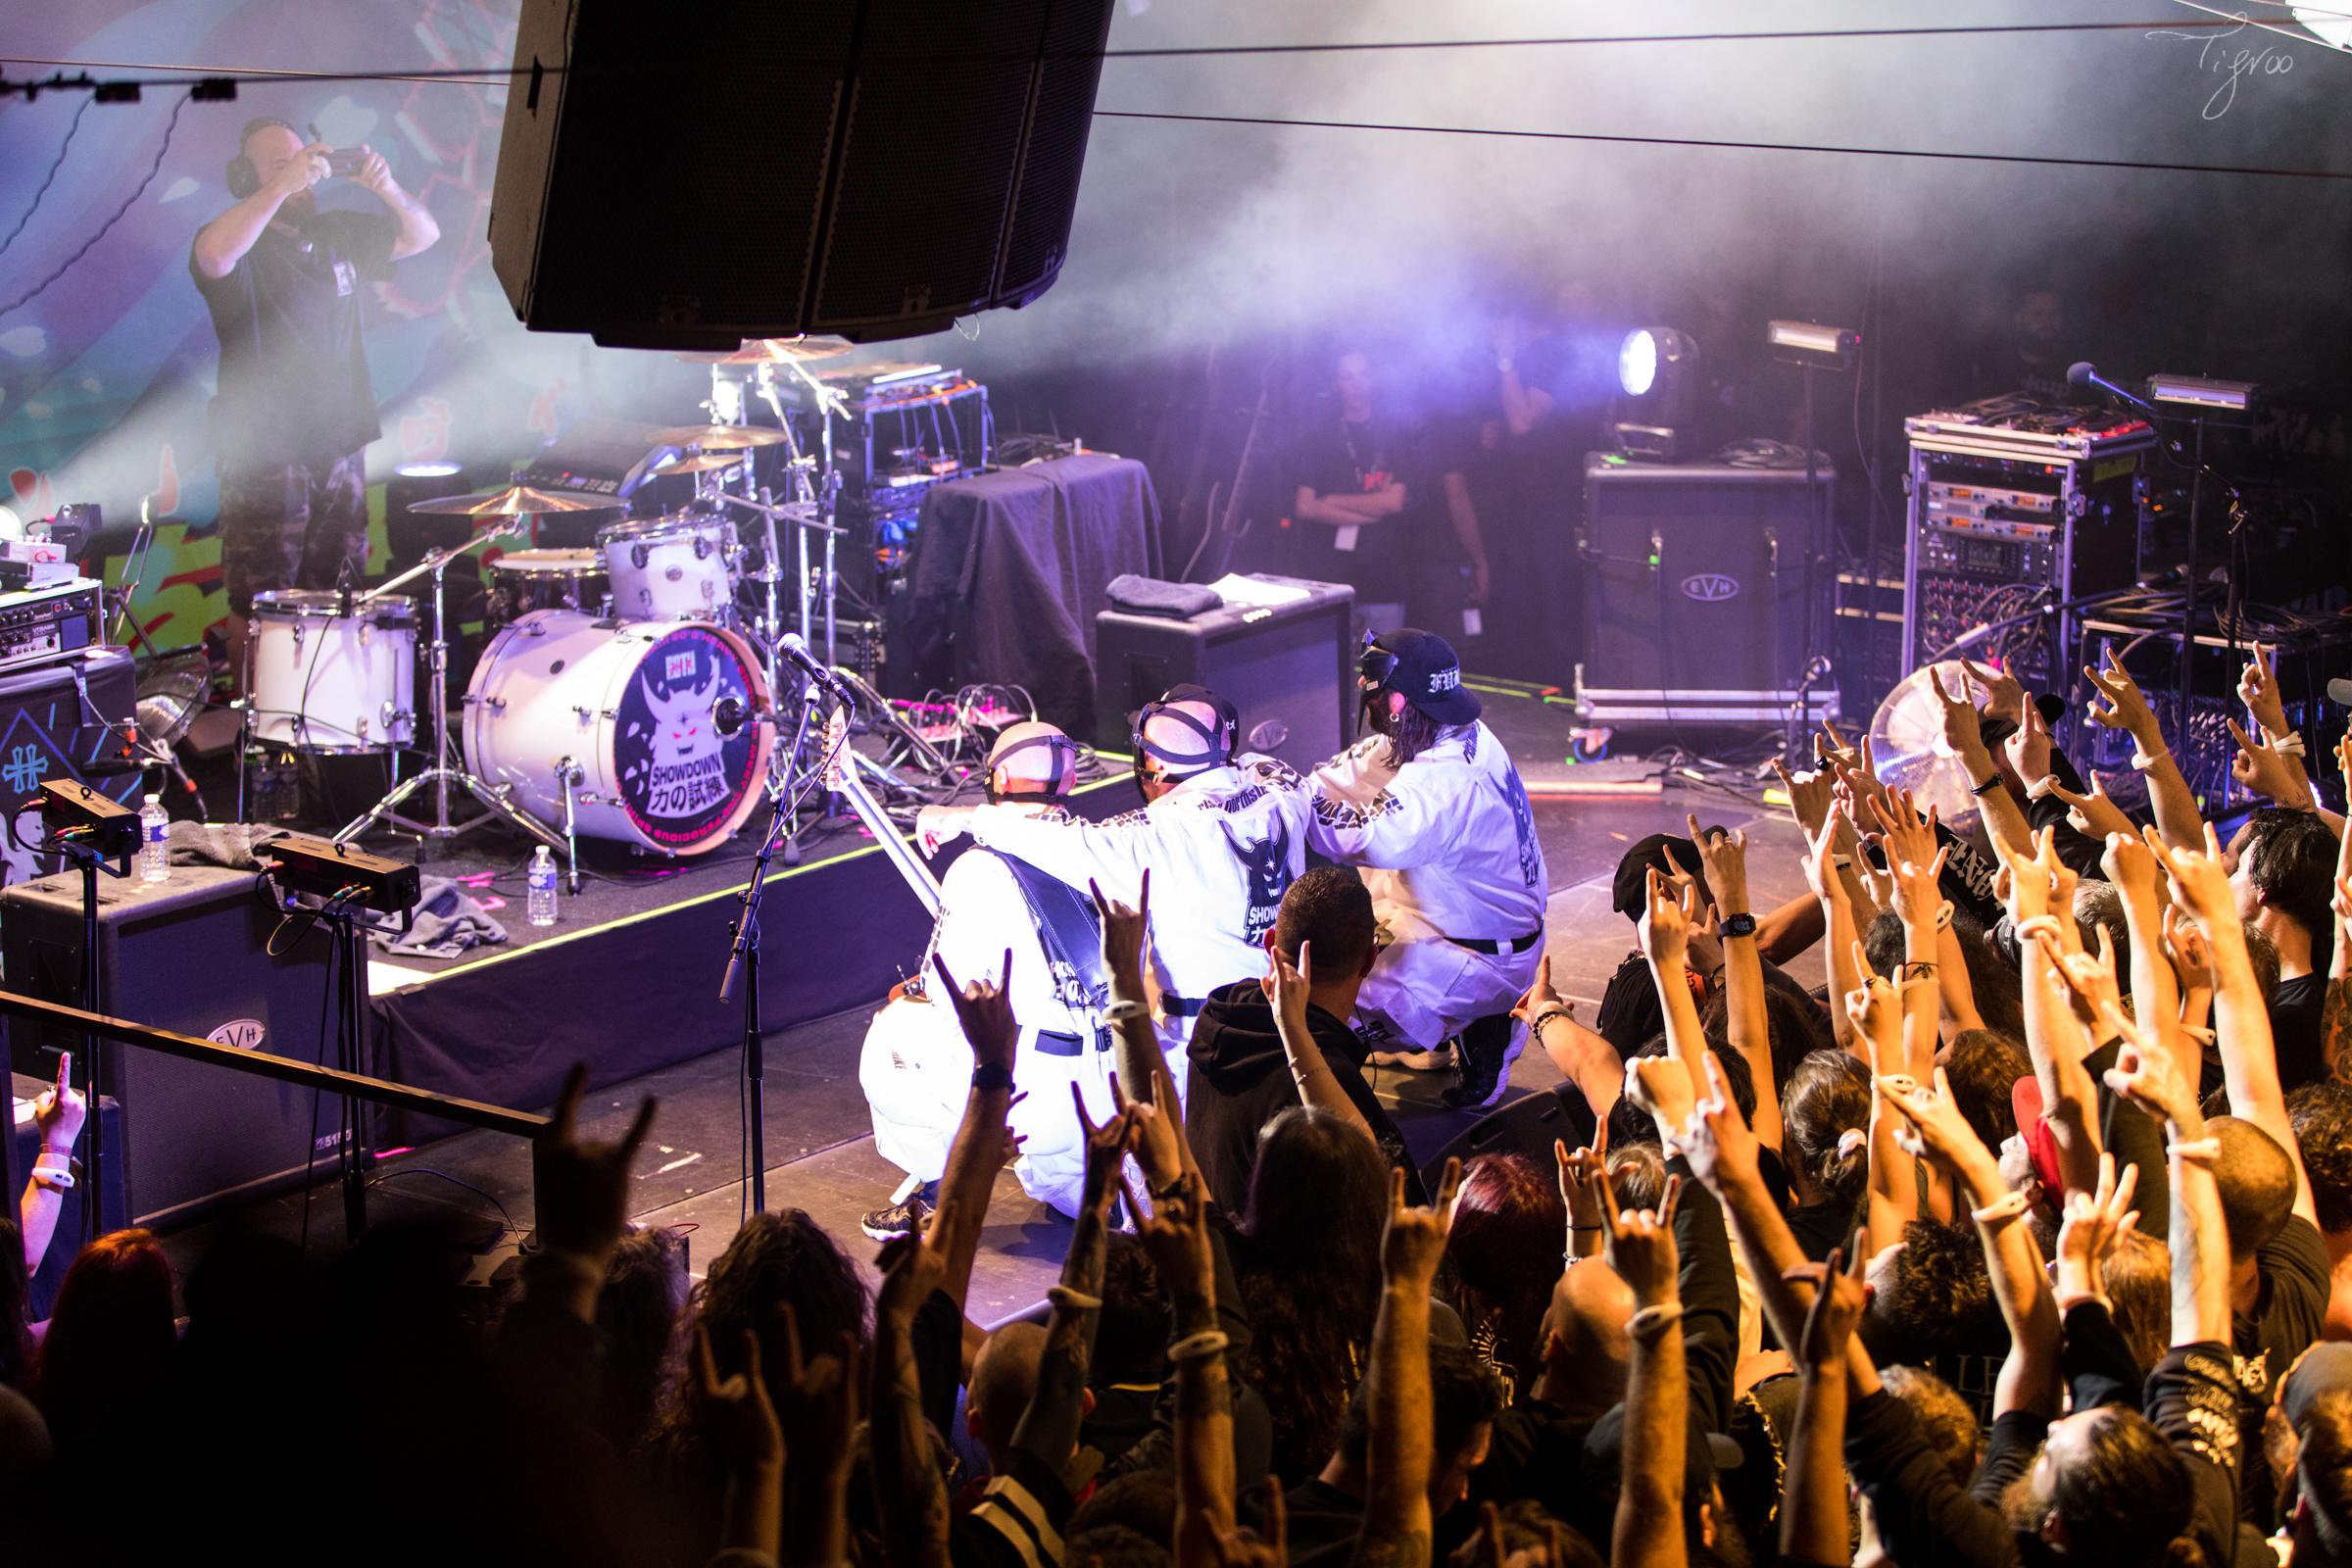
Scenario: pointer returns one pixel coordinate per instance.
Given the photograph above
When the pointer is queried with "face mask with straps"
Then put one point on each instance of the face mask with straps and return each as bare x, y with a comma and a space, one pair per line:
1065, 763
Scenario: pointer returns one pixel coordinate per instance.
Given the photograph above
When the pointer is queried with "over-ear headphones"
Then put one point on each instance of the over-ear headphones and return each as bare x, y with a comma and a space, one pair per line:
243, 178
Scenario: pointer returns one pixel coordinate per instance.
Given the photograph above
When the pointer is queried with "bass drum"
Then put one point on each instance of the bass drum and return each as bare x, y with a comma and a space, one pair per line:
630, 705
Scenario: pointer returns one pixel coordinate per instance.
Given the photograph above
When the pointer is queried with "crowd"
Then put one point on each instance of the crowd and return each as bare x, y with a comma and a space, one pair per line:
2018, 1237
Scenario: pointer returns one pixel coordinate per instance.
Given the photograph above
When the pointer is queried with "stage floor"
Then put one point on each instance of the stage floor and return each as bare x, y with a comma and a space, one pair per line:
820, 1152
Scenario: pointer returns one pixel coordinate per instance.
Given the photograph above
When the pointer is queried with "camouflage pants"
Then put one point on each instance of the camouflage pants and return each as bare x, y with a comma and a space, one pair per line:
292, 526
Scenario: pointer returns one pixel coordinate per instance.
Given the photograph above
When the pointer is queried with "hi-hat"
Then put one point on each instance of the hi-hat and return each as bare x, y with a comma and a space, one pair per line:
718, 437
516, 501
773, 351
700, 462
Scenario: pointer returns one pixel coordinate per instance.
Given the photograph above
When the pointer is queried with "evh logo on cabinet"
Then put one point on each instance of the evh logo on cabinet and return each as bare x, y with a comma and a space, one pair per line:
1711, 587
242, 1034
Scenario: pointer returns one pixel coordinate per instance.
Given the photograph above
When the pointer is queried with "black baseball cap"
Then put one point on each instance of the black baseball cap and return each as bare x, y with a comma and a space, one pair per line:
1423, 669
1629, 891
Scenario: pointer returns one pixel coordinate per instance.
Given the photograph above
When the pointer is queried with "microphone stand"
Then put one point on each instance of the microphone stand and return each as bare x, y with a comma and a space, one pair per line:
743, 967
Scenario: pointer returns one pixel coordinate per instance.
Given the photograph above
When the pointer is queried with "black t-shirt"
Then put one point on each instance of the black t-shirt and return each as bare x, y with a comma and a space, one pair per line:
2295, 1010
1339, 456
2284, 1323
1320, 1522
293, 373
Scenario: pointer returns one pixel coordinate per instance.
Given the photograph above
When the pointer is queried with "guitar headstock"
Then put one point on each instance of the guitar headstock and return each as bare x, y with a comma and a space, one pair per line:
837, 749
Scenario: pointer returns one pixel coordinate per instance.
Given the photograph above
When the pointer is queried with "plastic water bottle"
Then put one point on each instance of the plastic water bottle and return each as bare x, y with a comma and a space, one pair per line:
155, 854
542, 907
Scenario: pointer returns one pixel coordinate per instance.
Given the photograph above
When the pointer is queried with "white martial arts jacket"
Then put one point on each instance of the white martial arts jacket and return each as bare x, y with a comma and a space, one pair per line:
1448, 840
1222, 846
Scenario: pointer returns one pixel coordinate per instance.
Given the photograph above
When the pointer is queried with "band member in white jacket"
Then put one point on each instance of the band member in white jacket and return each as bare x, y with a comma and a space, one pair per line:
917, 1069
1430, 804
1222, 834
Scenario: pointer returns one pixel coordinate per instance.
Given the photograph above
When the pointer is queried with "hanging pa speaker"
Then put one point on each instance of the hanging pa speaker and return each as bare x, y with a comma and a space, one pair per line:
868, 167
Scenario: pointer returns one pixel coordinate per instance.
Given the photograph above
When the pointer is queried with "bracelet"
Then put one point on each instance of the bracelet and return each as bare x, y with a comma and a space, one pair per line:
2002, 1209
2199, 1033
1943, 916
2198, 1150
2141, 761
1572, 1225
1198, 1347
2041, 787
1652, 1321
1071, 1299
1841, 862
60, 1181
2289, 744
2034, 924
1926, 966
1565, 1010
1980, 791
1122, 1010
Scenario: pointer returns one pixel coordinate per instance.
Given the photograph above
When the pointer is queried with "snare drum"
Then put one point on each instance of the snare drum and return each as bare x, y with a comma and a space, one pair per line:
328, 682
677, 567
630, 705
524, 580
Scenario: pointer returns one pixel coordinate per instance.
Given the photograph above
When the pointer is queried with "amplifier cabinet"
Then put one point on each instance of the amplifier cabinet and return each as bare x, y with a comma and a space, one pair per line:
63, 720
189, 954
1290, 668
1703, 590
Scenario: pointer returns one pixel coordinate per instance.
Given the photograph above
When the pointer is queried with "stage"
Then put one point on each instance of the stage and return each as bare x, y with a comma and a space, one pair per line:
629, 982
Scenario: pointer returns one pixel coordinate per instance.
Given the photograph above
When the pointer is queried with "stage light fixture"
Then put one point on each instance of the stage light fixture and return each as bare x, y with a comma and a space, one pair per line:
2200, 392
1657, 370
1807, 343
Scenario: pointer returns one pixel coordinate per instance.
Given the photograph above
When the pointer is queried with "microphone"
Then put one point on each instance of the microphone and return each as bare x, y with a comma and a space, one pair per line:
2083, 373
793, 648
344, 587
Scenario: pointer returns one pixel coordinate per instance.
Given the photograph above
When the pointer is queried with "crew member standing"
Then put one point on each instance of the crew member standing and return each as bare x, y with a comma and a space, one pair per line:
295, 411
1223, 836
1429, 803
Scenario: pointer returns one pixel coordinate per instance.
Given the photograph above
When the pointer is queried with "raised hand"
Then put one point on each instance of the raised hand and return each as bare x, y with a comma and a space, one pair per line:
2184, 946
1125, 933
1175, 1237
1839, 1296
1106, 1149
2258, 689
1875, 1008
1414, 1243
2130, 863
1661, 1086
2090, 976
2094, 815
1716, 1139
2004, 693
1942, 1134
1244, 1547
1638, 1244
816, 1400
58, 1111
2264, 770
738, 1415
2126, 708
1821, 874
374, 174
985, 1012
1579, 1175
2143, 1074
583, 1187
912, 1269
1539, 999
1963, 732
2201, 881
1808, 796
2028, 747
1286, 985
1723, 856
2095, 1225
1667, 921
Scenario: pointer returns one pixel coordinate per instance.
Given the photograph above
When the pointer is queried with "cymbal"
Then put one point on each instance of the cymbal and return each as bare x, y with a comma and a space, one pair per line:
518, 501
700, 462
774, 350
718, 437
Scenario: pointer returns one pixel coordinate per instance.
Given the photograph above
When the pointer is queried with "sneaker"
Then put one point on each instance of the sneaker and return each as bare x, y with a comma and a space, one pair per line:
1487, 1049
1439, 1061
906, 1217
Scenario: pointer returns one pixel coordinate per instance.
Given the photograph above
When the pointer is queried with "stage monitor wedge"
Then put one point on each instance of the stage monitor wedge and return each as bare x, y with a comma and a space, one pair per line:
876, 168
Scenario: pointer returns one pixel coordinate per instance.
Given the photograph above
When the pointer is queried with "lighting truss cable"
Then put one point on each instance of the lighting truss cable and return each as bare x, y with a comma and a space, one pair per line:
67, 265
49, 178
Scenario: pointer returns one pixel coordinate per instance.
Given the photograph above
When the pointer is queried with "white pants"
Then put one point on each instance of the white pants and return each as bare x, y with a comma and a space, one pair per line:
916, 1071
1422, 990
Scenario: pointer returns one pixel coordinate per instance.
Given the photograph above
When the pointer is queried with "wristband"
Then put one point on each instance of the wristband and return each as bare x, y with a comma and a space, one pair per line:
1943, 916
1738, 925
1565, 1010
1980, 791
1918, 968
2141, 761
1841, 862
2002, 1209
2034, 924
2041, 787
1576, 1227
61, 1181
1652, 1321
991, 1076
1198, 1347
1074, 1300
2199, 1033
1124, 1010
2198, 1150
2289, 744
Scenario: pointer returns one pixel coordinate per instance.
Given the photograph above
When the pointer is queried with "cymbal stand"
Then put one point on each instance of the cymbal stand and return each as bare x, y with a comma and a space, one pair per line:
447, 768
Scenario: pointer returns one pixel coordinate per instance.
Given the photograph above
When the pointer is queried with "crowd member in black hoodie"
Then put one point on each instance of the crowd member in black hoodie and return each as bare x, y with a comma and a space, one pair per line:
1244, 1074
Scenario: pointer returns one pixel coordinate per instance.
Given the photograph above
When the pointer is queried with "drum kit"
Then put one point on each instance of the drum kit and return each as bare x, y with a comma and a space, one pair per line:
635, 693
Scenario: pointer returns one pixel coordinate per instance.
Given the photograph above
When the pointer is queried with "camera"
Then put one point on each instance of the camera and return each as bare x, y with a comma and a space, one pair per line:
344, 162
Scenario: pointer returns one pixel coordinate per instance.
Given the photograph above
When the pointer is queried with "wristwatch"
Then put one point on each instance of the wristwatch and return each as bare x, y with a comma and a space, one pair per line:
1739, 925
992, 1075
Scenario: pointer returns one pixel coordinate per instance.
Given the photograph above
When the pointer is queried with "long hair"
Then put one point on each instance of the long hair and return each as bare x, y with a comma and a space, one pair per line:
1408, 733
111, 1337
1310, 1277
1509, 1212
1829, 1097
